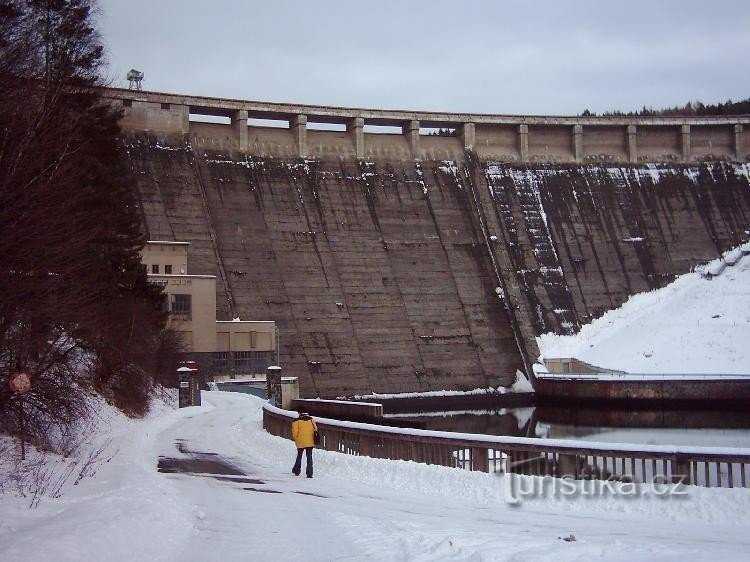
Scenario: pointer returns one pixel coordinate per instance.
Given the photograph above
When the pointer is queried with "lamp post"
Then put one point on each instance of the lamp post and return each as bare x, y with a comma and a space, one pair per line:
278, 339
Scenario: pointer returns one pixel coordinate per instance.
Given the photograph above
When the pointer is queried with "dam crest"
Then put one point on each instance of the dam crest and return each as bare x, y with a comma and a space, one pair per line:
505, 138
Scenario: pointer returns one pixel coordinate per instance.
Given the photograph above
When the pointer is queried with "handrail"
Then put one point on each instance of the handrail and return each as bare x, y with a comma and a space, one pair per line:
636, 377
215, 105
706, 466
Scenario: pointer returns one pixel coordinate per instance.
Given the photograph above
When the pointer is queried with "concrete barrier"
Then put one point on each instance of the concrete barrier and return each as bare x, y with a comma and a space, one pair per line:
341, 409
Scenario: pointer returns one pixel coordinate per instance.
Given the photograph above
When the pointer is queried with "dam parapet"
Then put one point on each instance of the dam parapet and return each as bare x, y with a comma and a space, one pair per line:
406, 135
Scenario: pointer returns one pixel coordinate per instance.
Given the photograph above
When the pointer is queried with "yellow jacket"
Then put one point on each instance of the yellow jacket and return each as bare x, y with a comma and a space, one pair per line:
302, 432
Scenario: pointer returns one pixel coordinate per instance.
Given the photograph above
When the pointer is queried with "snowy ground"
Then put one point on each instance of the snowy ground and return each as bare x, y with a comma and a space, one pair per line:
354, 508
694, 325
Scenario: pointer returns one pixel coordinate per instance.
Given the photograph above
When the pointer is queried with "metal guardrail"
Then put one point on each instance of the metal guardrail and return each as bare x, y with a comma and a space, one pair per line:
702, 466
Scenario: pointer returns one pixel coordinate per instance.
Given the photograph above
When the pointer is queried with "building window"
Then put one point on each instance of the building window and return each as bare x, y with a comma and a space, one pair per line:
168, 269
182, 306
127, 103
242, 359
155, 268
221, 361
165, 106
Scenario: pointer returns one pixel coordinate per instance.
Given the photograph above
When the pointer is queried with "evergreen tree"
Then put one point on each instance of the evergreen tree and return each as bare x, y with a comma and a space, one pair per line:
75, 305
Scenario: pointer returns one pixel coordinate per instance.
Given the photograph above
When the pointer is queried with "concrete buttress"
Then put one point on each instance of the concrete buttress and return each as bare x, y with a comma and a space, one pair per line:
411, 131
632, 143
298, 125
355, 127
239, 121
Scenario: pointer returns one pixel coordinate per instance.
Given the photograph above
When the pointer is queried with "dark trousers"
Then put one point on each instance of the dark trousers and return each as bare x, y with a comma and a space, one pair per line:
298, 463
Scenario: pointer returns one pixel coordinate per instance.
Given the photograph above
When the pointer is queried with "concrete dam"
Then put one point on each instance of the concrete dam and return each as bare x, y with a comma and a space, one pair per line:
402, 261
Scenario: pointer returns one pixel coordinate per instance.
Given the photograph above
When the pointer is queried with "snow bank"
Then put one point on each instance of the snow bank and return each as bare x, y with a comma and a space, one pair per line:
104, 501
521, 385
433, 393
695, 325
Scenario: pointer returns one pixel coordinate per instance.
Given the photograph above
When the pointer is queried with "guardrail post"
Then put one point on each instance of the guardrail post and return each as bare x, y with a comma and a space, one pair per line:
681, 470
480, 459
364, 445
567, 465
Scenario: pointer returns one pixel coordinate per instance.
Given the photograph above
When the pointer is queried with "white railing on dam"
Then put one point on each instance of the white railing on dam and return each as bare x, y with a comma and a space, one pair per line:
702, 466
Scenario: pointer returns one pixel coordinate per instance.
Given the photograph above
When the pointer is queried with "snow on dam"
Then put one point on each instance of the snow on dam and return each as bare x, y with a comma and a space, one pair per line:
404, 262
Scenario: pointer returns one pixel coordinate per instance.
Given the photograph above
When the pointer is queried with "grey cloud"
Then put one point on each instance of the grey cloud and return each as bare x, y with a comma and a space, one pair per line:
483, 56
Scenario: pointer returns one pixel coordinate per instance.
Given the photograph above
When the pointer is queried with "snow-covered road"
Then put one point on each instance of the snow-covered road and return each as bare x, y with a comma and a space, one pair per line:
353, 509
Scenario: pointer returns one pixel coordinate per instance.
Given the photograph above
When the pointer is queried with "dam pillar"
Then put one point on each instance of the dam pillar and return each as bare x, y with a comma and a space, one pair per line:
632, 144
577, 142
184, 118
298, 125
411, 131
239, 122
523, 142
469, 135
738, 143
685, 130
355, 128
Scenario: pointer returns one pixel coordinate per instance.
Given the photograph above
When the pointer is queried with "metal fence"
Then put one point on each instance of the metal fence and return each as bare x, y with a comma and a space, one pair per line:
232, 363
702, 466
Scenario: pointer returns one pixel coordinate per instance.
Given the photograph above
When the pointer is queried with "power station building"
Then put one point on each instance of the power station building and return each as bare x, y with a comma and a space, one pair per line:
224, 349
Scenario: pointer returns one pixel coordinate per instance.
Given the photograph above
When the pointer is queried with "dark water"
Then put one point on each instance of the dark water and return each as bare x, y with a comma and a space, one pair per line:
720, 428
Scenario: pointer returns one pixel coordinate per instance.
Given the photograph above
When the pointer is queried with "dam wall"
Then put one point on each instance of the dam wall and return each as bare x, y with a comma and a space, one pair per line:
390, 273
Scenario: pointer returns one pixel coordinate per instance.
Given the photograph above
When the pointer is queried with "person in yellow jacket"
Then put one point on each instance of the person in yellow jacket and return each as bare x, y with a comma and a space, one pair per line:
303, 433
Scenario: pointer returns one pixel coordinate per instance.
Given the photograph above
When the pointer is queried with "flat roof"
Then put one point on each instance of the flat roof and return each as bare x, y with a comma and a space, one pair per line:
181, 276
254, 379
245, 321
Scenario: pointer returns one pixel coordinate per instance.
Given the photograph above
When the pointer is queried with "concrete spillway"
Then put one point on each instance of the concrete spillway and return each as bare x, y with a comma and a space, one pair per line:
396, 275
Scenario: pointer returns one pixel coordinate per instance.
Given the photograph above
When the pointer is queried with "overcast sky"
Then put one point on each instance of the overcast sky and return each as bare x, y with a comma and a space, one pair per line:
517, 57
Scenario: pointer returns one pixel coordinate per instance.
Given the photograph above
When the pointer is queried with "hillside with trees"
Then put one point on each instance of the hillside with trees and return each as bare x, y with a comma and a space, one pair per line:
689, 109
76, 310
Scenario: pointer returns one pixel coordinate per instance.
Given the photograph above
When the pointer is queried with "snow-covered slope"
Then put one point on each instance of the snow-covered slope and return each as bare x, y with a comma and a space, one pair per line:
698, 324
